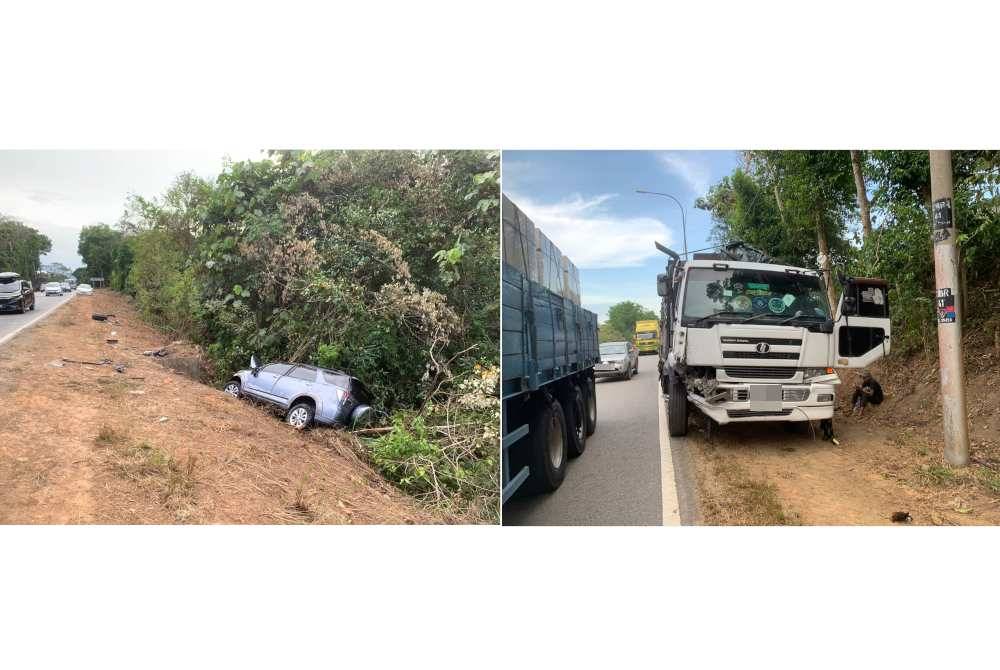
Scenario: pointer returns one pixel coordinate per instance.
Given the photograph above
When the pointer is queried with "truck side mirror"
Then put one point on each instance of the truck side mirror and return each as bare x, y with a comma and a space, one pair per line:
850, 307
662, 287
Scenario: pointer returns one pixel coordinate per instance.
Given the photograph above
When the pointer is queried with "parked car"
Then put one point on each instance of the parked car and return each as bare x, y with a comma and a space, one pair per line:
85, 289
618, 359
16, 294
307, 394
53, 288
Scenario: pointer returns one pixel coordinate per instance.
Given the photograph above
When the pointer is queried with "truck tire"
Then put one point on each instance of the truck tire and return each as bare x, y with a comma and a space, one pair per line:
548, 448
590, 400
576, 422
677, 408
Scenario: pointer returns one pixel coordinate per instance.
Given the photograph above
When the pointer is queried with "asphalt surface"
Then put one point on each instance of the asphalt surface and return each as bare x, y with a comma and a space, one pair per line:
617, 479
10, 322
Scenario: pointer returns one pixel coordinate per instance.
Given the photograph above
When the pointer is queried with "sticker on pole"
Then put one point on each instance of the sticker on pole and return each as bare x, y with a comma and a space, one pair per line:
945, 305
943, 222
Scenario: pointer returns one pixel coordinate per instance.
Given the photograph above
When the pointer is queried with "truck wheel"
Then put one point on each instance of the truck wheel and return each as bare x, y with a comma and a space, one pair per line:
591, 402
548, 448
577, 423
677, 408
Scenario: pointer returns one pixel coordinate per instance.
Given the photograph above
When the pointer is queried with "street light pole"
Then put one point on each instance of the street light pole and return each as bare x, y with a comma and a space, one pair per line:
683, 214
949, 313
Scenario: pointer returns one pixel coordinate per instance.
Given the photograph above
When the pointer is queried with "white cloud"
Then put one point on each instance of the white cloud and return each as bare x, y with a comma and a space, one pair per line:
695, 174
591, 236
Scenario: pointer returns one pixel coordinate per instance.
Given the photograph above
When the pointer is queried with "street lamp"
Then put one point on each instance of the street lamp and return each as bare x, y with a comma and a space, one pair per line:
683, 214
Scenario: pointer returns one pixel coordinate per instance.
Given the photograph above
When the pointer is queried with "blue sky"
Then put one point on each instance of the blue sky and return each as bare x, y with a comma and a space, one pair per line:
585, 201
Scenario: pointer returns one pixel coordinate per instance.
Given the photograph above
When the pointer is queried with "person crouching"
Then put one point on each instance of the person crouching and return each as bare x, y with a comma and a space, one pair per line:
869, 392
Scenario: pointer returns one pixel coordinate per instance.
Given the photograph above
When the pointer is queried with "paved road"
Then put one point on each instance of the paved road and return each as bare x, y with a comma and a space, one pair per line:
9, 322
617, 479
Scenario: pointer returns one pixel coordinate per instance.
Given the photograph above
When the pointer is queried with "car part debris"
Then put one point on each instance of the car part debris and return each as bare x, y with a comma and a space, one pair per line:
120, 368
103, 361
160, 353
901, 517
101, 317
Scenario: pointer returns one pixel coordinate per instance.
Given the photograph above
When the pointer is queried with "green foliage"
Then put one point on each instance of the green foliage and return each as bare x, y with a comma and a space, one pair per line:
99, 247
21, 248
622, 318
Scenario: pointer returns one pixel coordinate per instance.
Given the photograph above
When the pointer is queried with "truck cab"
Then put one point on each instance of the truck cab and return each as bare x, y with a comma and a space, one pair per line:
647, 335
759, 341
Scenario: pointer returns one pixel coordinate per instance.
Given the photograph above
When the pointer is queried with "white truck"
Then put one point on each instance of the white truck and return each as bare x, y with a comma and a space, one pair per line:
745, 339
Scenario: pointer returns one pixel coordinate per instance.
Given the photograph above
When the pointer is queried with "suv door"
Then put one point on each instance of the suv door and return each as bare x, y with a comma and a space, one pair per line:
298, 380
260, 384
862, 330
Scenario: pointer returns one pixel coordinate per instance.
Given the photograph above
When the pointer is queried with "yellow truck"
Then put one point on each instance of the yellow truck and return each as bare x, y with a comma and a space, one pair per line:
647, 336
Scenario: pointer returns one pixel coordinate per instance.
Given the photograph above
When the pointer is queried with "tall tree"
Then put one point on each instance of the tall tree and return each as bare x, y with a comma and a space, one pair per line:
859, 184
622, 317
21, 247
98, 246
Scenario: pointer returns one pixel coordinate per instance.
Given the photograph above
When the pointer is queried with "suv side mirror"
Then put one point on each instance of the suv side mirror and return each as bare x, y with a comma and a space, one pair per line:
662, 287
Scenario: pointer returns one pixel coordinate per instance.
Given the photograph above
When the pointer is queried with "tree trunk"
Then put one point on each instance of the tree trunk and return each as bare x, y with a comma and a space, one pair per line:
827, 265
781, 206
859, 183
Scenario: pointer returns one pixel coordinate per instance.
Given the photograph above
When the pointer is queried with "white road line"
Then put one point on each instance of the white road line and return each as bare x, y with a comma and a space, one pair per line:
668, 484
9, 336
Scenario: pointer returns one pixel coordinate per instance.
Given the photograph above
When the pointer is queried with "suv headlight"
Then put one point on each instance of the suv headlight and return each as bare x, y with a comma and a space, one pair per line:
809, 373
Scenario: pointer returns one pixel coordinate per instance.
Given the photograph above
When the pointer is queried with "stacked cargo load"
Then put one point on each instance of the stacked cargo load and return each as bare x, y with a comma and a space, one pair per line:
549, 263
571, 281
518, 240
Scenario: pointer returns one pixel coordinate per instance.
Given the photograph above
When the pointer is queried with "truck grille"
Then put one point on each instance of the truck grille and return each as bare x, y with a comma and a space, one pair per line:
794, 395
787, 355
741, 395
746, 413
761, 373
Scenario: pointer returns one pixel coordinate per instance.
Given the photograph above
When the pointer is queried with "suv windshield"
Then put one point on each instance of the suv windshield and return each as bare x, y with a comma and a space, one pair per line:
753, 293
9, 285
613, 348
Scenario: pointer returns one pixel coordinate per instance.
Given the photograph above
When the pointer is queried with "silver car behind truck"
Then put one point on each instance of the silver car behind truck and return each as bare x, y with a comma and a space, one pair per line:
618, 359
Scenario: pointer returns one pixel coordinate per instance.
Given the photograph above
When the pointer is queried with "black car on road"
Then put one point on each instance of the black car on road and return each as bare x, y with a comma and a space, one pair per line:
16, 295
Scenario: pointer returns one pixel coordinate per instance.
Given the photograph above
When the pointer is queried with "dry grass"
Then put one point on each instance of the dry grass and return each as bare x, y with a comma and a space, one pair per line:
741, 500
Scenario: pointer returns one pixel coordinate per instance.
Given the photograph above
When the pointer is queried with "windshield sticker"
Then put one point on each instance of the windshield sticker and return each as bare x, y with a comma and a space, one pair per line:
741, 303
788, 299
726, 292
776, 305
763, 287
759, 304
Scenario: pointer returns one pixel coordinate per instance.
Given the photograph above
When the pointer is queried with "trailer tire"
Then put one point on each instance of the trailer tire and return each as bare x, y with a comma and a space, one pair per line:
576, 422
677, 408
548, 448
591, 401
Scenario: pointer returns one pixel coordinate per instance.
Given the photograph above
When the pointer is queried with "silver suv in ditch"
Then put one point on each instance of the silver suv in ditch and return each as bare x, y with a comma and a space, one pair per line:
307, 394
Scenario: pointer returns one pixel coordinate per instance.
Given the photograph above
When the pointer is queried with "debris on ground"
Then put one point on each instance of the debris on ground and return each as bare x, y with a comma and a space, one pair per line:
159, 353
101, 317
901, 517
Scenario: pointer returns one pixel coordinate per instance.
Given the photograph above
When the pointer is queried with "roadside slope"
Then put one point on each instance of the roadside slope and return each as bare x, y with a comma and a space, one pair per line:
889, 460
86, 444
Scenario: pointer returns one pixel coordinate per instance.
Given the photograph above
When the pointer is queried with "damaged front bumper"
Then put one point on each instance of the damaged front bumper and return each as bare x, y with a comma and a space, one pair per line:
783, 402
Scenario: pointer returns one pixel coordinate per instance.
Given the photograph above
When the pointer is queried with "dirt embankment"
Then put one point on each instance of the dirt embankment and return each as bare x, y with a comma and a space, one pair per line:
85, 443
889, 460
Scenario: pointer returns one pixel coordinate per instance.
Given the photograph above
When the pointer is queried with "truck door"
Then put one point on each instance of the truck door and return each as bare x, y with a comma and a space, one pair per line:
861, 333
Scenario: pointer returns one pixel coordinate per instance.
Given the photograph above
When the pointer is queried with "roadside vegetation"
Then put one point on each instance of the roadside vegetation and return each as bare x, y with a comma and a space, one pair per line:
384, 264
21, 247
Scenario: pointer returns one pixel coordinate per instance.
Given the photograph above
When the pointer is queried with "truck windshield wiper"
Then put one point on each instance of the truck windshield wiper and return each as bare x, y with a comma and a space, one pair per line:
755, 316
709, 316
800, 315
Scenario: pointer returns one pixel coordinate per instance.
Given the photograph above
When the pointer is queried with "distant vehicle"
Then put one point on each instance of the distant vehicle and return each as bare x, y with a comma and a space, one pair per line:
53, 288
85, 289
307, 394
16, 295
647, 336
66, 287
618, 359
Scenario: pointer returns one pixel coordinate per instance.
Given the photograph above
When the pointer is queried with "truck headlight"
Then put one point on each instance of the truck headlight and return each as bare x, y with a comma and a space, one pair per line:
809, 373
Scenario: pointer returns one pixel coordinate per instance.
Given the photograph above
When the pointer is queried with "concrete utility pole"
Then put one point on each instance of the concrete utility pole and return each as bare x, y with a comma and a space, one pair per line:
946, 280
